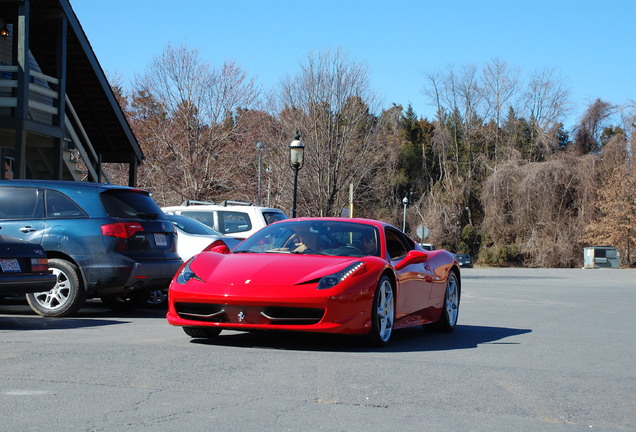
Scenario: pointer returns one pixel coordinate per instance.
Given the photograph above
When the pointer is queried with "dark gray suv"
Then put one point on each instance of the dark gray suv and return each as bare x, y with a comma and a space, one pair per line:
101, 240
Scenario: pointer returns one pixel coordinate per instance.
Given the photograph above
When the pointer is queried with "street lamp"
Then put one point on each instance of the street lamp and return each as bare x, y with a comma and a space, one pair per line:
259, 147
405, 201
296, 149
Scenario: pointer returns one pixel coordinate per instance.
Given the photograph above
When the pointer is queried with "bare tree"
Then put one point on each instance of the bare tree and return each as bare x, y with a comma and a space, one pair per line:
185, 119
546, 98
615, 222
546, 102
330, 102
587, 133
457, 97
500, 84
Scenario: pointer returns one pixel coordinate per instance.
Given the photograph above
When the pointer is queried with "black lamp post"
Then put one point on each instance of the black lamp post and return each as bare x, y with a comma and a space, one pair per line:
296, 149
259, 147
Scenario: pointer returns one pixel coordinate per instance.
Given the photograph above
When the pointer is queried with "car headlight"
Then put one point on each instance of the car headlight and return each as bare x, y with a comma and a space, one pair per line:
334, 279
186, 273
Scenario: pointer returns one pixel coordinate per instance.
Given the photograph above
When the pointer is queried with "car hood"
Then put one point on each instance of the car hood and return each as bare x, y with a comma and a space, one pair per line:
266, 269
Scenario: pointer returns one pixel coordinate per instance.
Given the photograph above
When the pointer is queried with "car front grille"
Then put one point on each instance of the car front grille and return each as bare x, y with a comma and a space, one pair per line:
244, 314
200, 311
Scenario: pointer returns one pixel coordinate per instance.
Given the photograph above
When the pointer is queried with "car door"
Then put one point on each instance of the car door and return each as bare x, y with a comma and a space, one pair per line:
22, 213
414, 280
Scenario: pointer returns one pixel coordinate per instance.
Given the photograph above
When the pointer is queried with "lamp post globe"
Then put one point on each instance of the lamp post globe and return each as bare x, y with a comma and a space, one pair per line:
296, 161
405, 201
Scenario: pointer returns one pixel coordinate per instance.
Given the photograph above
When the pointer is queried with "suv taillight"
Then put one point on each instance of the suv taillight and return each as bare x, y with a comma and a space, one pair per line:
123, 230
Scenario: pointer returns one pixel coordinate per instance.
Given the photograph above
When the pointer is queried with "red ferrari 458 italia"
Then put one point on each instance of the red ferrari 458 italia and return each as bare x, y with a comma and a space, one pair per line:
331, 275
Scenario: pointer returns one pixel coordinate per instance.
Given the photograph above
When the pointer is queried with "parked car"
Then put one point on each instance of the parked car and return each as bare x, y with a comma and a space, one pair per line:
101, 240
192, 237
24, 268
330, 275
427, 246
239, 219
465, 260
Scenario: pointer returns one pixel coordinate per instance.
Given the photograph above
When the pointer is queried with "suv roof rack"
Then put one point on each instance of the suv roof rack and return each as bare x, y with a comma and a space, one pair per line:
195, 202
225, 203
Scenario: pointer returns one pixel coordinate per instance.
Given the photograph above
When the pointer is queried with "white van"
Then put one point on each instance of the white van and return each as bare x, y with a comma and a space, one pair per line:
235, 218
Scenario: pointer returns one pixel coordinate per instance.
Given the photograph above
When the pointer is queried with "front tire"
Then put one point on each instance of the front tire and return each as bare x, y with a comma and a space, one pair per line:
382, 313
66, 297
202, 332
450, 311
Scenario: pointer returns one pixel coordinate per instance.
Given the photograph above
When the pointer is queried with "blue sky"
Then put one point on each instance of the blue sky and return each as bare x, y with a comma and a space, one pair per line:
591, 44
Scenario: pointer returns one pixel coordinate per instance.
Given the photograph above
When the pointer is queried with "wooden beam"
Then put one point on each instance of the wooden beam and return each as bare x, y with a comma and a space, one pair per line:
21, 47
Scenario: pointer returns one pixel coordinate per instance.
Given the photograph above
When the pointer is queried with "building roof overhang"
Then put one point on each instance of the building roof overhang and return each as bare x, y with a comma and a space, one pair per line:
86, 86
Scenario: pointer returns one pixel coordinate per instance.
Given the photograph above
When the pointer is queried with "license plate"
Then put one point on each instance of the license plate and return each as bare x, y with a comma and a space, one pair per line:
10, 265
161, 240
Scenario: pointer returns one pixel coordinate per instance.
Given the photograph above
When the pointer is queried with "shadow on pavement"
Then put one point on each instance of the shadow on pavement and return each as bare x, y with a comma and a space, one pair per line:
41, 323
406, 340
15, 314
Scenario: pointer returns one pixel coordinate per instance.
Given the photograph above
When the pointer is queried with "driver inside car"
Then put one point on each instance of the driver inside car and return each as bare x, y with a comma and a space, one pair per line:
307, 242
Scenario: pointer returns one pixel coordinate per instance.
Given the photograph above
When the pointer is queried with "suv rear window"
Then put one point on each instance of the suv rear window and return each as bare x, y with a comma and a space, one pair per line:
129, 204
271, 217
203, 217
232, 222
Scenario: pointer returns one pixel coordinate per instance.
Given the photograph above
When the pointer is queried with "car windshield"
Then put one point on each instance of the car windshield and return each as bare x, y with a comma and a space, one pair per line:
316, 237
191, 226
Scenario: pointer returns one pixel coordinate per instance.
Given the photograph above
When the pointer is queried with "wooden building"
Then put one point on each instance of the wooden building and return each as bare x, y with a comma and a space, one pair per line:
56, 105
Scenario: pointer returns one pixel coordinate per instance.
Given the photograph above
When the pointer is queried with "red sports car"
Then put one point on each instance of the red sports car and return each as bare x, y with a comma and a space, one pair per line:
331, 275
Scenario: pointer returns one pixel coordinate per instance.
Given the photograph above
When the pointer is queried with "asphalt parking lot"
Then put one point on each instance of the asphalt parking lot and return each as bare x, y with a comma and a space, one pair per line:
534, 350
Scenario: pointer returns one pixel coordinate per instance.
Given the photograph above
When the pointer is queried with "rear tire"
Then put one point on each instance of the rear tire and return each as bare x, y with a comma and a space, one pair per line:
65, 298
125, 302
202, 332
155, 298
450, 311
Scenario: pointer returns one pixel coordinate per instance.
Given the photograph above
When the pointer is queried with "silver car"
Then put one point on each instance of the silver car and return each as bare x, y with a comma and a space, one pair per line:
194, 236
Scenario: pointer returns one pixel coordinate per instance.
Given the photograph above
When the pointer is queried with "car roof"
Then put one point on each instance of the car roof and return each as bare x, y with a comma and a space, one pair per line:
65, 184
363, 221
208, 207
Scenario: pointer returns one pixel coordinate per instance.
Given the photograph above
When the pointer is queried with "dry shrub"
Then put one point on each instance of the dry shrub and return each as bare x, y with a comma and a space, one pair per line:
441, 212
537, 208
615, 221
